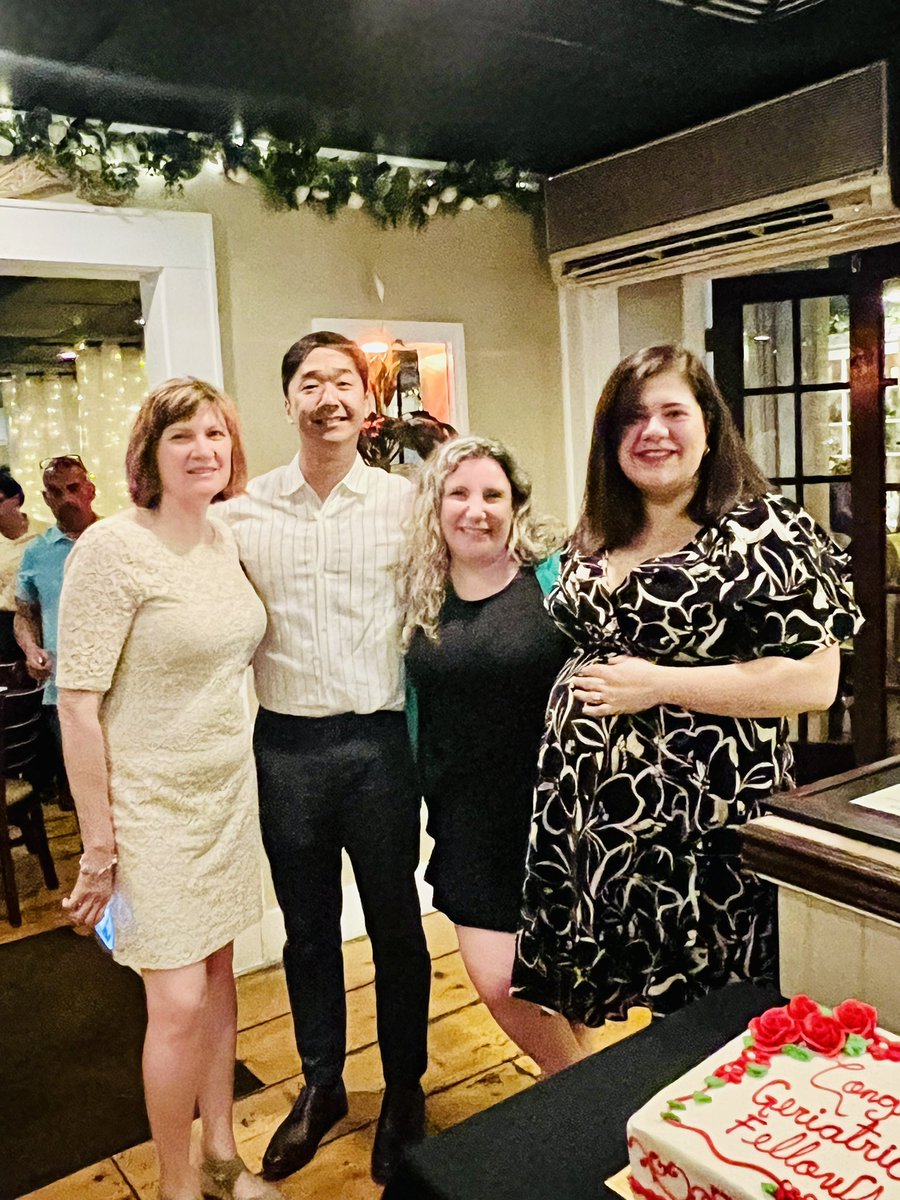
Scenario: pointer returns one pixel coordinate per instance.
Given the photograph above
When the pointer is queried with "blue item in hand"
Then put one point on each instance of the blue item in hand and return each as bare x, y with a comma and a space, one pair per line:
106, 930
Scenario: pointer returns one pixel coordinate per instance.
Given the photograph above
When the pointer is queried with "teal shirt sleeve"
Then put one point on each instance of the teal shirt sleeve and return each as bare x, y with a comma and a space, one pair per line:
547, 572
26, 587
412, 717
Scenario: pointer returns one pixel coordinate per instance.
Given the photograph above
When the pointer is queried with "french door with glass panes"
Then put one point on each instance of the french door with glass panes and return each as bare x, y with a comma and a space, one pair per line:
808, 361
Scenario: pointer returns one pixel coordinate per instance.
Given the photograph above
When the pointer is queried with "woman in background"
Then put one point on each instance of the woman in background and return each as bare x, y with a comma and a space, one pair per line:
16, 531
705, 611
482, 655
157, 626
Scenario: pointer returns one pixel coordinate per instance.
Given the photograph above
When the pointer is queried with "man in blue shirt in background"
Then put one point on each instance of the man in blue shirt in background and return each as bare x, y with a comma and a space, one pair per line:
69, 494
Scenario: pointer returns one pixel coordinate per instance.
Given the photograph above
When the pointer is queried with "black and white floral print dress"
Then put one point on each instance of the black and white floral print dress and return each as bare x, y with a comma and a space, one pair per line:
634, 892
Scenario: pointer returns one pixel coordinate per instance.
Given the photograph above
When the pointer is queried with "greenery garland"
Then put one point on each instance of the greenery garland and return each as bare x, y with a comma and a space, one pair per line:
101, 164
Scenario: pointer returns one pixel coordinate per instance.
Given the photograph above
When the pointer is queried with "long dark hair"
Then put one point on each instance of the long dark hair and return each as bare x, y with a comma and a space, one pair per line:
613, 510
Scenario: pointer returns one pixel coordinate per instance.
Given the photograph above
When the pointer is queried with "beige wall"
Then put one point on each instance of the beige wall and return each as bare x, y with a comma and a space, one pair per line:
484, 269
650, 314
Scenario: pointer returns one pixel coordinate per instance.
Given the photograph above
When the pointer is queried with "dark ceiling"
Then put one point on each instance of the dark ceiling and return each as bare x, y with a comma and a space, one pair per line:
548, 84
41, 317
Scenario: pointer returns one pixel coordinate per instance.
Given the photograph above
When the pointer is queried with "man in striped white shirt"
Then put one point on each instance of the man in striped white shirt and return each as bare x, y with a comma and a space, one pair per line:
320, 539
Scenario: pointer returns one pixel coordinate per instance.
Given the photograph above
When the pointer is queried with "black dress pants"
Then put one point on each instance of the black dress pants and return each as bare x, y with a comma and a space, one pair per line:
333, 783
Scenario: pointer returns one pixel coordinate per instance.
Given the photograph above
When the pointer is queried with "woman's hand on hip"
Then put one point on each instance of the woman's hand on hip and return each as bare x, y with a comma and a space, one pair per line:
622, 685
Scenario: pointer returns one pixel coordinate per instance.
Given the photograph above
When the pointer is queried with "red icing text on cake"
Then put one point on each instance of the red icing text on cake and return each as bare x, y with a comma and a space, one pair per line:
788, 1135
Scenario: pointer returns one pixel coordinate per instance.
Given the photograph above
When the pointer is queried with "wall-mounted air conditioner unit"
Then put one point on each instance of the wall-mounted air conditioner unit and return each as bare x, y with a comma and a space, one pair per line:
809, 169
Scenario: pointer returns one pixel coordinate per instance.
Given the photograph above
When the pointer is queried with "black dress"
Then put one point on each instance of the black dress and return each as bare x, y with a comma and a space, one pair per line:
634, 892
482, 693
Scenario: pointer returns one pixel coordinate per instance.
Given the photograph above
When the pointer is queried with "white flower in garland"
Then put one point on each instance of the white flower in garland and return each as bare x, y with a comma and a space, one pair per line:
102, 164
124, 152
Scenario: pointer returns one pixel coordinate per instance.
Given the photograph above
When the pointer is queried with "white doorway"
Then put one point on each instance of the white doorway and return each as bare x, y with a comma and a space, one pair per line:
171, 256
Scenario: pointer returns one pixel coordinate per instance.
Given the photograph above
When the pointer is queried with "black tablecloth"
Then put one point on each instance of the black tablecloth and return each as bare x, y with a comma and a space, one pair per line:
562, 1138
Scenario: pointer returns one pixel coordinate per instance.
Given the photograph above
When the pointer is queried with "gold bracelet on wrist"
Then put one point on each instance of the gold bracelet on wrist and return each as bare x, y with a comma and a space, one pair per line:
92, 874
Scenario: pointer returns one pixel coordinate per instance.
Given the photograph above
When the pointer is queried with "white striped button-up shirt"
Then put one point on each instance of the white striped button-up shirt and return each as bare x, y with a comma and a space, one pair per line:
326, 574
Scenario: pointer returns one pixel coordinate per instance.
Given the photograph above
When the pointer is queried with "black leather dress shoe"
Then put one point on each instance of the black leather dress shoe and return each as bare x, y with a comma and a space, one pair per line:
401, 1124
297, 1138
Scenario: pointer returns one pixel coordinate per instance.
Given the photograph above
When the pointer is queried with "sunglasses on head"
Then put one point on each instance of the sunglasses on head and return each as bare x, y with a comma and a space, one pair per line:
63, 460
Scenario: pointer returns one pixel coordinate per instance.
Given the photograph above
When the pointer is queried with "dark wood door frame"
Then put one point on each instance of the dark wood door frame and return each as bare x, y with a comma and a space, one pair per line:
861, 278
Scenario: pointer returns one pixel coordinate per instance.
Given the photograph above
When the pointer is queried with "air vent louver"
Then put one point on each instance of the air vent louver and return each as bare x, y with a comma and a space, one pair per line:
727, 233
749, 11
761, 177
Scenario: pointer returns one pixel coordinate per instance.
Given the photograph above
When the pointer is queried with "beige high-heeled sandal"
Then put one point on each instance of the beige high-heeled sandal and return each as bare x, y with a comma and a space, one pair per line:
219, 1175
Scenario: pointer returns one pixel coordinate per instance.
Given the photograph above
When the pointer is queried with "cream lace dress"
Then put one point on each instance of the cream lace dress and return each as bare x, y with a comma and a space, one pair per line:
167, 637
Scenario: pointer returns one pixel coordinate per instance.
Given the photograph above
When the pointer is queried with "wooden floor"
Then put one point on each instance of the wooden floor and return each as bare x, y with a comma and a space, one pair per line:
41, 908
472, 1064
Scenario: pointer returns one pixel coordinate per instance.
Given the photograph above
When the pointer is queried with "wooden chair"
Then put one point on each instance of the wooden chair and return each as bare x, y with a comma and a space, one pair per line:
14, 675
20, 803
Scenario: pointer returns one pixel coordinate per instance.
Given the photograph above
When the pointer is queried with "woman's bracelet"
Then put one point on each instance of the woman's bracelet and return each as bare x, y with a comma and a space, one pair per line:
91, 874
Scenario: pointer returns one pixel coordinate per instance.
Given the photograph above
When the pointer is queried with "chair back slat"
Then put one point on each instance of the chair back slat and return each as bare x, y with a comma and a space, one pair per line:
20, 721
14, 675
20, 726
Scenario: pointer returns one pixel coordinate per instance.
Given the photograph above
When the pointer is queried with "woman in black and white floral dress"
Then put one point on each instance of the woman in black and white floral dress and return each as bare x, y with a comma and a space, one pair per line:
705, 610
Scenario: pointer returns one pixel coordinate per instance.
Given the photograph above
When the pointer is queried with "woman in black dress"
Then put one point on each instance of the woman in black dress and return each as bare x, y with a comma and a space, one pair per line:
706, 610
482, 655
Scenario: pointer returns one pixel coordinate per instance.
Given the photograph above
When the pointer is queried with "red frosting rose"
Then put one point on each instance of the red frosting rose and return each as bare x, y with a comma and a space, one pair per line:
788, 1191
856, 1017
824, 1035
801, 1006
774, 1029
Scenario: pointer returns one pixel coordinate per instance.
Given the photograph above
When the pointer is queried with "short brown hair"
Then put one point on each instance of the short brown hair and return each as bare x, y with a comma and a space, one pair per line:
178, 400
613, 511
294, 358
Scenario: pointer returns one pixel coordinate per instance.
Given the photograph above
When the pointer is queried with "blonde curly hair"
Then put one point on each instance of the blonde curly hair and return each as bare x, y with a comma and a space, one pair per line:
425, 563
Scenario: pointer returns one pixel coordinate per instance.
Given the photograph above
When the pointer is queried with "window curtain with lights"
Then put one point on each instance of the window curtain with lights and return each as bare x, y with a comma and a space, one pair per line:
91, 414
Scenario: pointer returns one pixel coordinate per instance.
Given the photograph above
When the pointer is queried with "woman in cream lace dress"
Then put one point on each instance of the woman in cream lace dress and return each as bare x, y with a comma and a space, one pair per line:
157, 626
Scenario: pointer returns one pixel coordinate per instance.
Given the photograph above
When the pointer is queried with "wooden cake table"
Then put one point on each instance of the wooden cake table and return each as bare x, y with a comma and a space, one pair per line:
833, 849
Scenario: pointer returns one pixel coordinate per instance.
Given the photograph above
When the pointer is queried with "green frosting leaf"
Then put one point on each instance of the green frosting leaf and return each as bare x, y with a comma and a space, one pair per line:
677, 1106
670, 1116
714, 1081
855, 1045
799, 1052
769, 1188
748, 1040
757, 1070
701, 1098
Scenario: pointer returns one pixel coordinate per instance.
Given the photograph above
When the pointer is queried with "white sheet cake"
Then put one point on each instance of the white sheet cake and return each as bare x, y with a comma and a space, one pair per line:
804, 1106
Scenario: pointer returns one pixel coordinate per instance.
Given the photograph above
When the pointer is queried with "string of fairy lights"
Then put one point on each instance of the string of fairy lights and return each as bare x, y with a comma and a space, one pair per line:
89, 413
